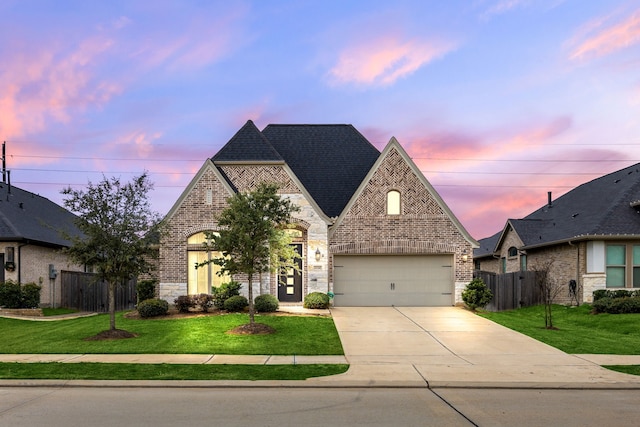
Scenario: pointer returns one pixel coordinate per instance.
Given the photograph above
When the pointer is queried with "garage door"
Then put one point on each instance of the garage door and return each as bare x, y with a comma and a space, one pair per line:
386, 280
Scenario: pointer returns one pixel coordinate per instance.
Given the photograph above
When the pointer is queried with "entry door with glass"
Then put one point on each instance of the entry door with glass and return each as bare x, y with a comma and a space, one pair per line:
290, 280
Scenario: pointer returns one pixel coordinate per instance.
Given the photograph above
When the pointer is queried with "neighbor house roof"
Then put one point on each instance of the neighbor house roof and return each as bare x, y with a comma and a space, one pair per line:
604, 207
27, 217
329, 160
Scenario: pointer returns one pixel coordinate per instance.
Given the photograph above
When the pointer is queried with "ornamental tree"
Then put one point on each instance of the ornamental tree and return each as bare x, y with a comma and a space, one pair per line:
252, 237
119, 230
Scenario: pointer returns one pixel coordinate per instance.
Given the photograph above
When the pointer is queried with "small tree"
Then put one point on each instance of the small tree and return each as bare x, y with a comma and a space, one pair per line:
549, 287
477, 294
251, 238
119, 228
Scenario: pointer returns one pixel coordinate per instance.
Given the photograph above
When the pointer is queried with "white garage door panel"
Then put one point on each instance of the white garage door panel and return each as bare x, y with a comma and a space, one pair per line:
383, 280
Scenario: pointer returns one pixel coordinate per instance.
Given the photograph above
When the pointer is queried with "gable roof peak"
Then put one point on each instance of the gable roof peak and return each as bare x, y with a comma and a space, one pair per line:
248, 144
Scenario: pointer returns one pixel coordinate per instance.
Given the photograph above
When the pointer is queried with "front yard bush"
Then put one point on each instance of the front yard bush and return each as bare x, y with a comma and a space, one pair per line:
183, 303
153, 307
224, 292
316, 300
236, 303
12, 295
614, 293
476, 294
617, 305
30, 294
146, 289
266, 303
204, 301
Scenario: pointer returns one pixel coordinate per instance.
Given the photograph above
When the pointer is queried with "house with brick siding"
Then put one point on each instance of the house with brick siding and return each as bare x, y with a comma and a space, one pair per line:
31, 241
371, 229
590, 235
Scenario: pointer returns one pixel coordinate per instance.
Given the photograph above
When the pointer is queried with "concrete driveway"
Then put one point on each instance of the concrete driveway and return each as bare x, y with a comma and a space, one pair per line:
450, 346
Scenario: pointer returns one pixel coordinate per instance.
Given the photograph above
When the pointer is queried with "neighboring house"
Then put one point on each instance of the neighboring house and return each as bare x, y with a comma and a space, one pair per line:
371, 229
30, 241
590, 235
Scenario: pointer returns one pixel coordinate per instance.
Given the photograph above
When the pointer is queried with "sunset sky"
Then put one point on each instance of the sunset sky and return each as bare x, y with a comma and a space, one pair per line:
497, 101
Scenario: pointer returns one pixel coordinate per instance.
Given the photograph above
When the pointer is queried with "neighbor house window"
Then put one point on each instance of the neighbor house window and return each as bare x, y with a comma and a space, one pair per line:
636, 266
523, 262
201, 280
513, 251
393, 202
616, 266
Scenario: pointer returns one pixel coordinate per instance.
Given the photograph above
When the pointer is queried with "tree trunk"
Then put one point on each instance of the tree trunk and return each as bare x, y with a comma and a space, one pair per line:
251, 309
112, 306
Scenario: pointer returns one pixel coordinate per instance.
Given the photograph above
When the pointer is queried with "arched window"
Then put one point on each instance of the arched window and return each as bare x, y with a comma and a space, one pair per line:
513, 251
393, 202
202, 279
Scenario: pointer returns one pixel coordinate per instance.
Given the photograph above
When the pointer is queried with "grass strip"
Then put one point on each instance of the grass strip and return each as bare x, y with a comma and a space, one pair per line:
625, 369
301, 335
578, 330
125, 371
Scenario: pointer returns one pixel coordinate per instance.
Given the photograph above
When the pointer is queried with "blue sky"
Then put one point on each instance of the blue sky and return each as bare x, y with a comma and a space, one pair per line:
497, 101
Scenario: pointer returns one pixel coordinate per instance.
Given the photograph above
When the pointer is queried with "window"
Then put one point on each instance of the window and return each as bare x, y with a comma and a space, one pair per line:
616, 266
513, 251
503, 264
636, 266
202, 279
393, 202
523, 262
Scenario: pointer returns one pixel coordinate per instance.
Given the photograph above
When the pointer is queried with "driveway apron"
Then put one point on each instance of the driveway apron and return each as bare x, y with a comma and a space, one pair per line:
450, 346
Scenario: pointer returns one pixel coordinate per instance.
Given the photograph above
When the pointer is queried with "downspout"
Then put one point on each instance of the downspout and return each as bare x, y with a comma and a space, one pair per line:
578, 278
20, 261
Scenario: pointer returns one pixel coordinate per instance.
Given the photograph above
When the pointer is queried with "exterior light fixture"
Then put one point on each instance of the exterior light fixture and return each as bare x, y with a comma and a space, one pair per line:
318, 254
465, 256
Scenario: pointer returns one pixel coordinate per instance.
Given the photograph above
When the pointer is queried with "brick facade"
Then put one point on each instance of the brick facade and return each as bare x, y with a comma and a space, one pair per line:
424, 226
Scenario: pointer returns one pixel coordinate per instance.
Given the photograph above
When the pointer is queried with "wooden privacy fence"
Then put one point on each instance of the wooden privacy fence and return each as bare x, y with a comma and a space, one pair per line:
82, 292
511, 290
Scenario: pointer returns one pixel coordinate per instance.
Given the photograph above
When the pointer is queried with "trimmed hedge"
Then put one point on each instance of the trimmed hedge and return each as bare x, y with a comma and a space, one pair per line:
617, 305
153, 307
614, 293
236, 303
316, 300
266, 303
183, 303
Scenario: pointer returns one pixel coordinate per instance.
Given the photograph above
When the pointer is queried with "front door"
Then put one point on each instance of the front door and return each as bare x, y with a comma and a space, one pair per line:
290, 280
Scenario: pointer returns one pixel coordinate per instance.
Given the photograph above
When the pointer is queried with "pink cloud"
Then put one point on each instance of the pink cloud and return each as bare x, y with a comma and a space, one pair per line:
598, 42
383, 60
49, 84
503, 6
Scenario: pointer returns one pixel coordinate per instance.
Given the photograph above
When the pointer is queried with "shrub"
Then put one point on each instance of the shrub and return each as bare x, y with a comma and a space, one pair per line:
236, 303
600, 293
184, 302
153, 307
617, 305
316, 300
204, 301
10, 294
146, 289
266, 303
30, 295
476, 294
224, 292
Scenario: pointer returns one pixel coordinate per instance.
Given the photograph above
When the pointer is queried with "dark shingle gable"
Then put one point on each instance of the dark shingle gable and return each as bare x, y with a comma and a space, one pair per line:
330, 160
25, 216
248, 144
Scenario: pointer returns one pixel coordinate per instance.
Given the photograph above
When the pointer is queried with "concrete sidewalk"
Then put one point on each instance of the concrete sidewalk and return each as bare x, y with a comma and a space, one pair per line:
401, 347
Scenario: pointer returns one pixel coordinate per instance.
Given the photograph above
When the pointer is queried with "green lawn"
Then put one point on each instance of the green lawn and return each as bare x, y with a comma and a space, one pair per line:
120, 371
579, 331
200, 335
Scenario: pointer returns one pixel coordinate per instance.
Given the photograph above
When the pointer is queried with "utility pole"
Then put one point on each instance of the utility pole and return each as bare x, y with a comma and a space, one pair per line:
4, 162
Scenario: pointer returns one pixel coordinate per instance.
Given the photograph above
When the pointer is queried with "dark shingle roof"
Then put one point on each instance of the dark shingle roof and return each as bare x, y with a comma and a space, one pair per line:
25, 216
329, 160
248, 144
601, 207
487, 246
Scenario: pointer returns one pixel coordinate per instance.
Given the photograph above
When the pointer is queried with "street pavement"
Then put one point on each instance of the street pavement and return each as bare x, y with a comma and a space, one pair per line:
414, 347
